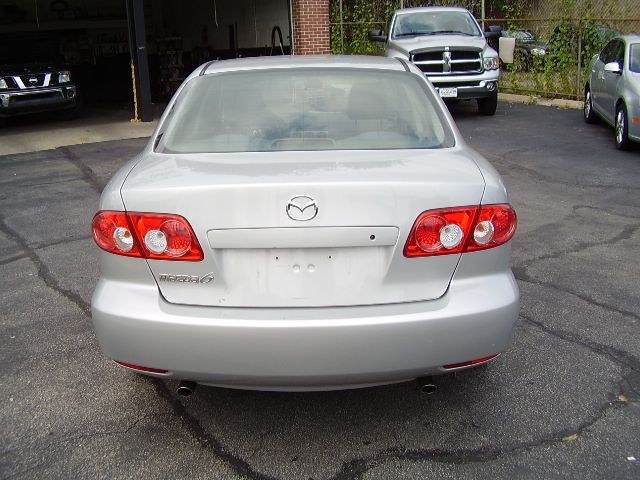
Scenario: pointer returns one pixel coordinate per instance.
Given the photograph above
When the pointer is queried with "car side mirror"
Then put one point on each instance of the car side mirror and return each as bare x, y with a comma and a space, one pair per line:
495, 31
613, 67
377, 35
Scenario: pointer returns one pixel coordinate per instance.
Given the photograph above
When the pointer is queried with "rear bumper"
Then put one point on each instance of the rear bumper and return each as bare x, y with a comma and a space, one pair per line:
306, 349
19, 102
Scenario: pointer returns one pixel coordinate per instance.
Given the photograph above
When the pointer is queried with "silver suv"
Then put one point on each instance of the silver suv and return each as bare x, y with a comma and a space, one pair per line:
448, 45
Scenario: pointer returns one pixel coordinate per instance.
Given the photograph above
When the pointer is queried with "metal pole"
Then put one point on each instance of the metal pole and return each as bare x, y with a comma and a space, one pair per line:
482, 14
143, 109
291, 28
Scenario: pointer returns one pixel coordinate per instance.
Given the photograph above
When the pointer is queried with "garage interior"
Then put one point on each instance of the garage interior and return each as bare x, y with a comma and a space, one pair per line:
91, 38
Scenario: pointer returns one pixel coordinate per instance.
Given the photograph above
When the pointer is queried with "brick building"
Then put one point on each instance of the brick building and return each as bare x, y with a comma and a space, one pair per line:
310, 27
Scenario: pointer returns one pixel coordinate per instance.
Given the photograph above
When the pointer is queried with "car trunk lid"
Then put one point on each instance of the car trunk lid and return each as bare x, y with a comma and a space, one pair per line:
262, 252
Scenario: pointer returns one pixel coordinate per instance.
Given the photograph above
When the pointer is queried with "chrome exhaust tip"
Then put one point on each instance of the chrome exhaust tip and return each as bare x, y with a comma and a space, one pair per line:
186, 388
426, 385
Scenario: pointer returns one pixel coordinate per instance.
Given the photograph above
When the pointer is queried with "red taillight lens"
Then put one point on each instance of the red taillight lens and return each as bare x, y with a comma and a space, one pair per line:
477, 361
463, 229
166, 237
140, 368
440, 232
146, 235
496, 221
113, 233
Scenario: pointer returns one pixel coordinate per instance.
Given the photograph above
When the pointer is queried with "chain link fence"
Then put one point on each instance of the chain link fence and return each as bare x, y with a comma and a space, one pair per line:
555, 39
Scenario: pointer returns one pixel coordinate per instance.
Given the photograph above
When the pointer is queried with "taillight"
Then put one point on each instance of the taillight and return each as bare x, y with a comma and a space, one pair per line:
458, 230
468, 363
496, 225
146, 235
113, 233
166, 237
440, 232
140, 368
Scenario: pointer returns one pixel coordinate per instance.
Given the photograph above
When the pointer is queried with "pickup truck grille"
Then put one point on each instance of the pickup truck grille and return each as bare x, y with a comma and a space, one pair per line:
33, 80
451, 61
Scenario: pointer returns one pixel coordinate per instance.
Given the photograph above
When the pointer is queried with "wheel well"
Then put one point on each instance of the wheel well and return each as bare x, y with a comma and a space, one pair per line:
586, 87
618, 103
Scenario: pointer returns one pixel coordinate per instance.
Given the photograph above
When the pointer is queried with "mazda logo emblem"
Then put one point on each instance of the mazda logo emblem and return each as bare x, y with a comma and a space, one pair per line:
33, 80
302, 208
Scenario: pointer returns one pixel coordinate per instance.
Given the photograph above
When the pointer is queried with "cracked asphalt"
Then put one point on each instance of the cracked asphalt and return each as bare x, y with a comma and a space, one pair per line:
562, 402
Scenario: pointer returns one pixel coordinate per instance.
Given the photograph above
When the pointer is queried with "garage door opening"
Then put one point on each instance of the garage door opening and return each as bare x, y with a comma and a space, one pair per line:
91, 39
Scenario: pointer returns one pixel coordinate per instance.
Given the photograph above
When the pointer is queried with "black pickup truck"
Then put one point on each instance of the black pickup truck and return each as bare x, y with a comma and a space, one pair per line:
36, 87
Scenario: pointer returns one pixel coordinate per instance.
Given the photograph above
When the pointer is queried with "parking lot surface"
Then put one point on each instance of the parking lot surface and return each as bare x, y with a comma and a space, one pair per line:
562, 402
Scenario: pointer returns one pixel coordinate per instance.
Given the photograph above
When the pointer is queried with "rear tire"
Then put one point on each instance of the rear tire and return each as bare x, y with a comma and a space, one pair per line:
488, 105
589, 114
622, 128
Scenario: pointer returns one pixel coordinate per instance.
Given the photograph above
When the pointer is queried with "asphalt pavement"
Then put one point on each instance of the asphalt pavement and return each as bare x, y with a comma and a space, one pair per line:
562, 402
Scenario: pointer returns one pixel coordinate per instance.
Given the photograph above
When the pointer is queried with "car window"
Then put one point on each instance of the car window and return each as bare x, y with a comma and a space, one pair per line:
634, 57
608, 52
432, 23
522, 35
305, 109
618, 55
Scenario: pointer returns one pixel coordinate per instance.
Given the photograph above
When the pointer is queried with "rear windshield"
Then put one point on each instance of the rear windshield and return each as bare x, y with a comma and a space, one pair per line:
634, 58
305, 109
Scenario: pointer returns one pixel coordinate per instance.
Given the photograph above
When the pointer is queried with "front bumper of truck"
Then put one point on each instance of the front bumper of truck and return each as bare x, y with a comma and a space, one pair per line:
468, 86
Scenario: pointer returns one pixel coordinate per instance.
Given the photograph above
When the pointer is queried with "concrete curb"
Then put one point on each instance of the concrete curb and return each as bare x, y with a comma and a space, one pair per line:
547, 102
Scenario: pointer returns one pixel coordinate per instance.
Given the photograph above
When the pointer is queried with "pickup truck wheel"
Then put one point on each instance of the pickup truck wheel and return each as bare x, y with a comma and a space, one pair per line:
589, 114
488, 105
622, 128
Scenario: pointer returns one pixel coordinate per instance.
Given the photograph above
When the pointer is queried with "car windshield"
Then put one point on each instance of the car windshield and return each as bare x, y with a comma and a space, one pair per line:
435, 23
634, 58
305, 109
521, 35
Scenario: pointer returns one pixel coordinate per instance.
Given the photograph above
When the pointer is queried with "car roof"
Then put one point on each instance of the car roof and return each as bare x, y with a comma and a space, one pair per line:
302, 61
630, 38
431, 9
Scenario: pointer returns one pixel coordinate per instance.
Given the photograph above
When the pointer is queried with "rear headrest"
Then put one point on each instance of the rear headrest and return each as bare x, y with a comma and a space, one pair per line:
366, 102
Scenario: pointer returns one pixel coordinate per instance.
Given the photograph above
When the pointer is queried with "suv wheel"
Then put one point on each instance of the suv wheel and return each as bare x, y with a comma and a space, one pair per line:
488, 105
589, 114
622, 128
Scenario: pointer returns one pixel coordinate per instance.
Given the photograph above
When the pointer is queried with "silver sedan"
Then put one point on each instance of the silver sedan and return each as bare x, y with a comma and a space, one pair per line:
304, 223
612, 91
